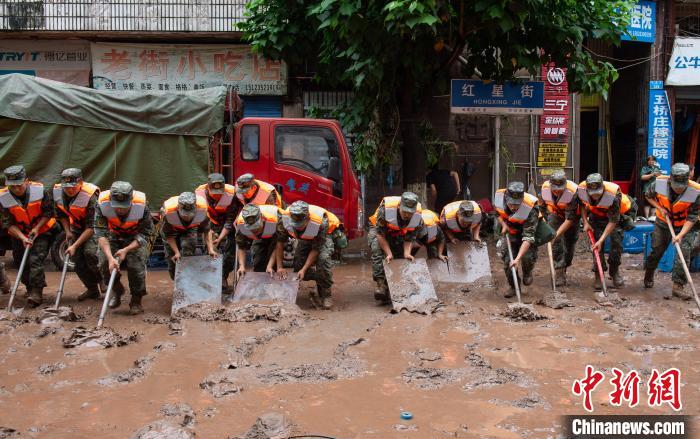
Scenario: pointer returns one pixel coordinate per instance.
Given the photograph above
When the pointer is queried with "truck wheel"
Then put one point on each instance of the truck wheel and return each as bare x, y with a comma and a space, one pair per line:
58, 251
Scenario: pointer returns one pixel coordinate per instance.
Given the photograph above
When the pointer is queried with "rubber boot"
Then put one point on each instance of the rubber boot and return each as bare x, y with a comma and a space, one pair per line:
649, 279
135, 305
327, 302
618, 281
382, 292
35, 297
91, 293
679, 291
5, 286
527, 278
315, 300
597, 284
510, 292
117, 291
560, 277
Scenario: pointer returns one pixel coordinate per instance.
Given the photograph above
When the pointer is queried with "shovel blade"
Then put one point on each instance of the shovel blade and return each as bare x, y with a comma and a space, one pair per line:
261, 287
197, 279
410, 286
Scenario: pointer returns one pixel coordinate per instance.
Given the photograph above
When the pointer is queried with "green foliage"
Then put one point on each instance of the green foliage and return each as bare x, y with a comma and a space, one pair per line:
391, 52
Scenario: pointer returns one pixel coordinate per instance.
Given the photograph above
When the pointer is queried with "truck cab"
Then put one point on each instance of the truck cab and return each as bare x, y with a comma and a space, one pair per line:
305, 159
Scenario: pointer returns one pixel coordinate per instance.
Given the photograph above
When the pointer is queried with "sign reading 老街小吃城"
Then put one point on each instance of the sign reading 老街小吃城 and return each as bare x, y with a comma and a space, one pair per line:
642, 26
660, 127
684, 65
509, 97
160, 67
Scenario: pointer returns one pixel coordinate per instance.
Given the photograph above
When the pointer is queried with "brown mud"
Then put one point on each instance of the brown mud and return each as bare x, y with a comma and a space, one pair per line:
256, 371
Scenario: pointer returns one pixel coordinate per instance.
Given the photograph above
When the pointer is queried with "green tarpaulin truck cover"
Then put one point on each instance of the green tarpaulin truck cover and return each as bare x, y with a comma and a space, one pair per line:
158, 141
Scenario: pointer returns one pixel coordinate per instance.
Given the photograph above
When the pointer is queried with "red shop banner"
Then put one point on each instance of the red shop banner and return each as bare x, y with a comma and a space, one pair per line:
554, 123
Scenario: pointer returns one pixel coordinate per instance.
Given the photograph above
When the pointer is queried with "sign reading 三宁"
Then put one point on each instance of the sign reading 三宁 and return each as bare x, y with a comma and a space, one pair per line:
642, 25
660, 127
509, 97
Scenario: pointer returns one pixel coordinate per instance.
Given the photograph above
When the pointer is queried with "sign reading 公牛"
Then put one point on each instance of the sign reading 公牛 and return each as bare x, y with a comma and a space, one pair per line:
509, 97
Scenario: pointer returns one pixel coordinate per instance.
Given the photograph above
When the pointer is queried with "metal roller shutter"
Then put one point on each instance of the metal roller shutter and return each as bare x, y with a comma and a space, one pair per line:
262, 106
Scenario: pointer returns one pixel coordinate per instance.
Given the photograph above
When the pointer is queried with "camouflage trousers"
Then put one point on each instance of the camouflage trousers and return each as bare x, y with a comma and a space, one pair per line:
660, 240
87, 263
322, 272
227, 249
261, 251
3, 275
527, 262
615, 253
135, 264
377, 254
33, 275
563, 249
186, 244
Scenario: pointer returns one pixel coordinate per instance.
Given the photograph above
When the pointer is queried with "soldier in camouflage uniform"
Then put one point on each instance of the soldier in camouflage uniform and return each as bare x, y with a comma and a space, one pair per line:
252, 191
607, 212
123, 227
395, 226
518, 215
75, 202
431, 236
185, 217
312, 227
222, 208
27, 214
461, 221
257, 230
676, 198
559, 195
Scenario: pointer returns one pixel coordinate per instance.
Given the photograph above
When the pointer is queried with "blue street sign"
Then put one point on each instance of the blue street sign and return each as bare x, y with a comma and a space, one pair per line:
642, 25
660, 129
509, 97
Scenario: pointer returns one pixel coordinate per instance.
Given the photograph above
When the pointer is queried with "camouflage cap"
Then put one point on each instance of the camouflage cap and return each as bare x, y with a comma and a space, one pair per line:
299, 213
15, 175
187, 201
120, 194
216, 183
594, 184
515, 192
466, 209
252, 218
243, 183
409, 202
71, 177
557, 180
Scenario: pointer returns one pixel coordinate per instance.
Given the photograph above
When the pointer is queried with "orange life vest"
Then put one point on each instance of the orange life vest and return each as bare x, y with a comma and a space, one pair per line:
270, 216
27, 218
679, 208
316, 215
77, 210
173, 218
609, 193
448, 216
431, 223
391, 215
216, 212
558, 206
130, 224
262, 194
519, 216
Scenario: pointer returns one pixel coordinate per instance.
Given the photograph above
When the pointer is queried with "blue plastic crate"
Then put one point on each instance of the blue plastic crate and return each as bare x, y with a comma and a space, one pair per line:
633, 240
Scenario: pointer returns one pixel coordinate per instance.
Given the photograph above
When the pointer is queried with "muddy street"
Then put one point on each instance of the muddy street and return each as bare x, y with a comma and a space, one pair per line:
468, 370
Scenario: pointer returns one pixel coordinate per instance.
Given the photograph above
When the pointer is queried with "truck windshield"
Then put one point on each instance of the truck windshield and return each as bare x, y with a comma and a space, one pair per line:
309, 148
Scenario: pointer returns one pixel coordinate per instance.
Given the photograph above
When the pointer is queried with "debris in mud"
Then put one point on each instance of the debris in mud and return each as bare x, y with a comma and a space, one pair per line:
426, 355
555, 300
163, 429
46, 330
7, 432
182, 412
647, 349
164, 346
221, 384
694, 316
271, 426
611, 299
48, 369
61, 314
431, 377
521, 312
237, 358
156, 319
104, 337
527, 402
404, 427
249, 312
483, 375
132, 374
175, 326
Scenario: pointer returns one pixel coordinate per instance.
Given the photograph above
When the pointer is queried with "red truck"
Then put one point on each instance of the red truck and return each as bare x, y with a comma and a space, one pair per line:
303, 158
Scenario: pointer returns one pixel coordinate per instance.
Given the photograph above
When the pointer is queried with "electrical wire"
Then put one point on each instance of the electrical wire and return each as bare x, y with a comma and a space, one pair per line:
646, 58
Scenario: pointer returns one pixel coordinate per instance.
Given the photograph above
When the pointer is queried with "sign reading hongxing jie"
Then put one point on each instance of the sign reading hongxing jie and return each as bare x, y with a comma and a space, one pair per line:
509, 97
145, 67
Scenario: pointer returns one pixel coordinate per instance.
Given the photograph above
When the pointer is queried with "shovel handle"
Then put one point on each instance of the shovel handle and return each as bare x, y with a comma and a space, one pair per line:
683, 262
20, 272
551, 265
596, 254
59, 293
103, 312
513, 269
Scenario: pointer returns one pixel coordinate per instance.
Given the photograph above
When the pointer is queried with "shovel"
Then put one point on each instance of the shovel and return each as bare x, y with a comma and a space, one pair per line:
19, 278
685, 265
59, 293
513, 270
112, 278
596, 253
551, 267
